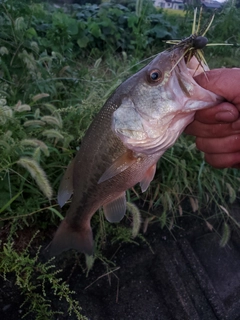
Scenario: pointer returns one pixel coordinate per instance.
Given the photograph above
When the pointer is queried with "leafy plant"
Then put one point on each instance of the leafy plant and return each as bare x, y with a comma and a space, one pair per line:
34, 278
30, 134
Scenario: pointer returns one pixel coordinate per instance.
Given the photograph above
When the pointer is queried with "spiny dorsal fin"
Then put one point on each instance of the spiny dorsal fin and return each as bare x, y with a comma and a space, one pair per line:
115, 210
122, 163
66, 186
149, 175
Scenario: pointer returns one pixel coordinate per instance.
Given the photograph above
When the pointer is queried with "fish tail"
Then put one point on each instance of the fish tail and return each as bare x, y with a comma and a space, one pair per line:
68, 237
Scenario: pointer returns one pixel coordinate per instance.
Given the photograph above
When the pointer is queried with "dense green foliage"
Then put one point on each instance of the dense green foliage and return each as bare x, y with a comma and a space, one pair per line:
57, 67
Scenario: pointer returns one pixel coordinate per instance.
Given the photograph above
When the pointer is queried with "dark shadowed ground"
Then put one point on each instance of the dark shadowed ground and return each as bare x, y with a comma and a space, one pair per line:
189, 276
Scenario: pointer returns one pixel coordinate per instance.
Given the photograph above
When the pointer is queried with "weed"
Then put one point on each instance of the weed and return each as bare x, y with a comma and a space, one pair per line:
34, 278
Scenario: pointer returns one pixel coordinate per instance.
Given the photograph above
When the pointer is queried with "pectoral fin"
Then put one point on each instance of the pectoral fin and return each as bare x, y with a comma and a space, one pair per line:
149, 175
66, 186
119, 165
115, 210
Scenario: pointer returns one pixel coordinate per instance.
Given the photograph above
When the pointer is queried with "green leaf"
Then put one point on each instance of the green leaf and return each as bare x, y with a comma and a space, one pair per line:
10, 201
95, 30
226, 233
30, 33
56, 212
132, 21
72, 27
83, 42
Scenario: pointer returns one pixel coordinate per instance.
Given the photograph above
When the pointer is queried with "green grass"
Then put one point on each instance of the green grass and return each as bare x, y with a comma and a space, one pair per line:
174, 12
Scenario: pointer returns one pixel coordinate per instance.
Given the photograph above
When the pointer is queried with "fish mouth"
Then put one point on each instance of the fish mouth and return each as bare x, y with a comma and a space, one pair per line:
187, 66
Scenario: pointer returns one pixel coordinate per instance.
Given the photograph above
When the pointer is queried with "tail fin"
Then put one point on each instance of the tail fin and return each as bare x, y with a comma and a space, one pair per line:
66, 237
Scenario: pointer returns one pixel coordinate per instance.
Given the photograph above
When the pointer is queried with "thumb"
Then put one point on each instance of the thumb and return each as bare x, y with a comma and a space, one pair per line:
224, 82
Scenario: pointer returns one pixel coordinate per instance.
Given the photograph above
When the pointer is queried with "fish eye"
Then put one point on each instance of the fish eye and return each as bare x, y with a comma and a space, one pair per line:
155, 75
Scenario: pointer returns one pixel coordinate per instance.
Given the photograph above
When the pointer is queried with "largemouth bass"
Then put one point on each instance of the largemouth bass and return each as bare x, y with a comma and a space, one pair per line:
137, 124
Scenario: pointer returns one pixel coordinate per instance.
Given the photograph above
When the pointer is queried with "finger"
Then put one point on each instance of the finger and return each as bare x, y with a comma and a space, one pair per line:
224, 82
218, 130
224, 145
221, 161
224, 112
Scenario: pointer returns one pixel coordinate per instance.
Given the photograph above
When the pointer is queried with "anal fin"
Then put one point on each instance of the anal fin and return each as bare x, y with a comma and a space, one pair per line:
148, 177
66, 185
122, 163
115, 210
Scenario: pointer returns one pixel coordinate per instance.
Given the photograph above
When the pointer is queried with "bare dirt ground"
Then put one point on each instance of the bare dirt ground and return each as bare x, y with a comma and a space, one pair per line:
185, 275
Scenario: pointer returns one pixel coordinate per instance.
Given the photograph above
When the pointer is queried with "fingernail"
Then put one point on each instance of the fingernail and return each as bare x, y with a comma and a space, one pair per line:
225, 116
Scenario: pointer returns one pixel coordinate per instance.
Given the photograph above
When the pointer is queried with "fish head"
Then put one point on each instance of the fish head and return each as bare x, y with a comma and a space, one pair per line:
159, 101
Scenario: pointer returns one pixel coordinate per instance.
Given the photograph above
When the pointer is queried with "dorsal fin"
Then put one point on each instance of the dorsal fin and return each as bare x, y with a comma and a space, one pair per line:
66, 186
122, 163
115, 210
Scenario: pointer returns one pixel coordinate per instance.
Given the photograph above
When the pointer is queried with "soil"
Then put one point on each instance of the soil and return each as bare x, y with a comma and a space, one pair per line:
181, 274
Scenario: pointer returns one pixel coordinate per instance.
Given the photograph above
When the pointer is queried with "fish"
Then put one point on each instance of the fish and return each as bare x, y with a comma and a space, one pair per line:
137, 124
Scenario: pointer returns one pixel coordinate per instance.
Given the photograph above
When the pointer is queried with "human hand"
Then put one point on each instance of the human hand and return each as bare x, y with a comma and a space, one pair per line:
217, 129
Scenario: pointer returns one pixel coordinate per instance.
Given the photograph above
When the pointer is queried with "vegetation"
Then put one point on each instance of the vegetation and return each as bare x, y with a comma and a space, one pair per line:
57, 67
34, 279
